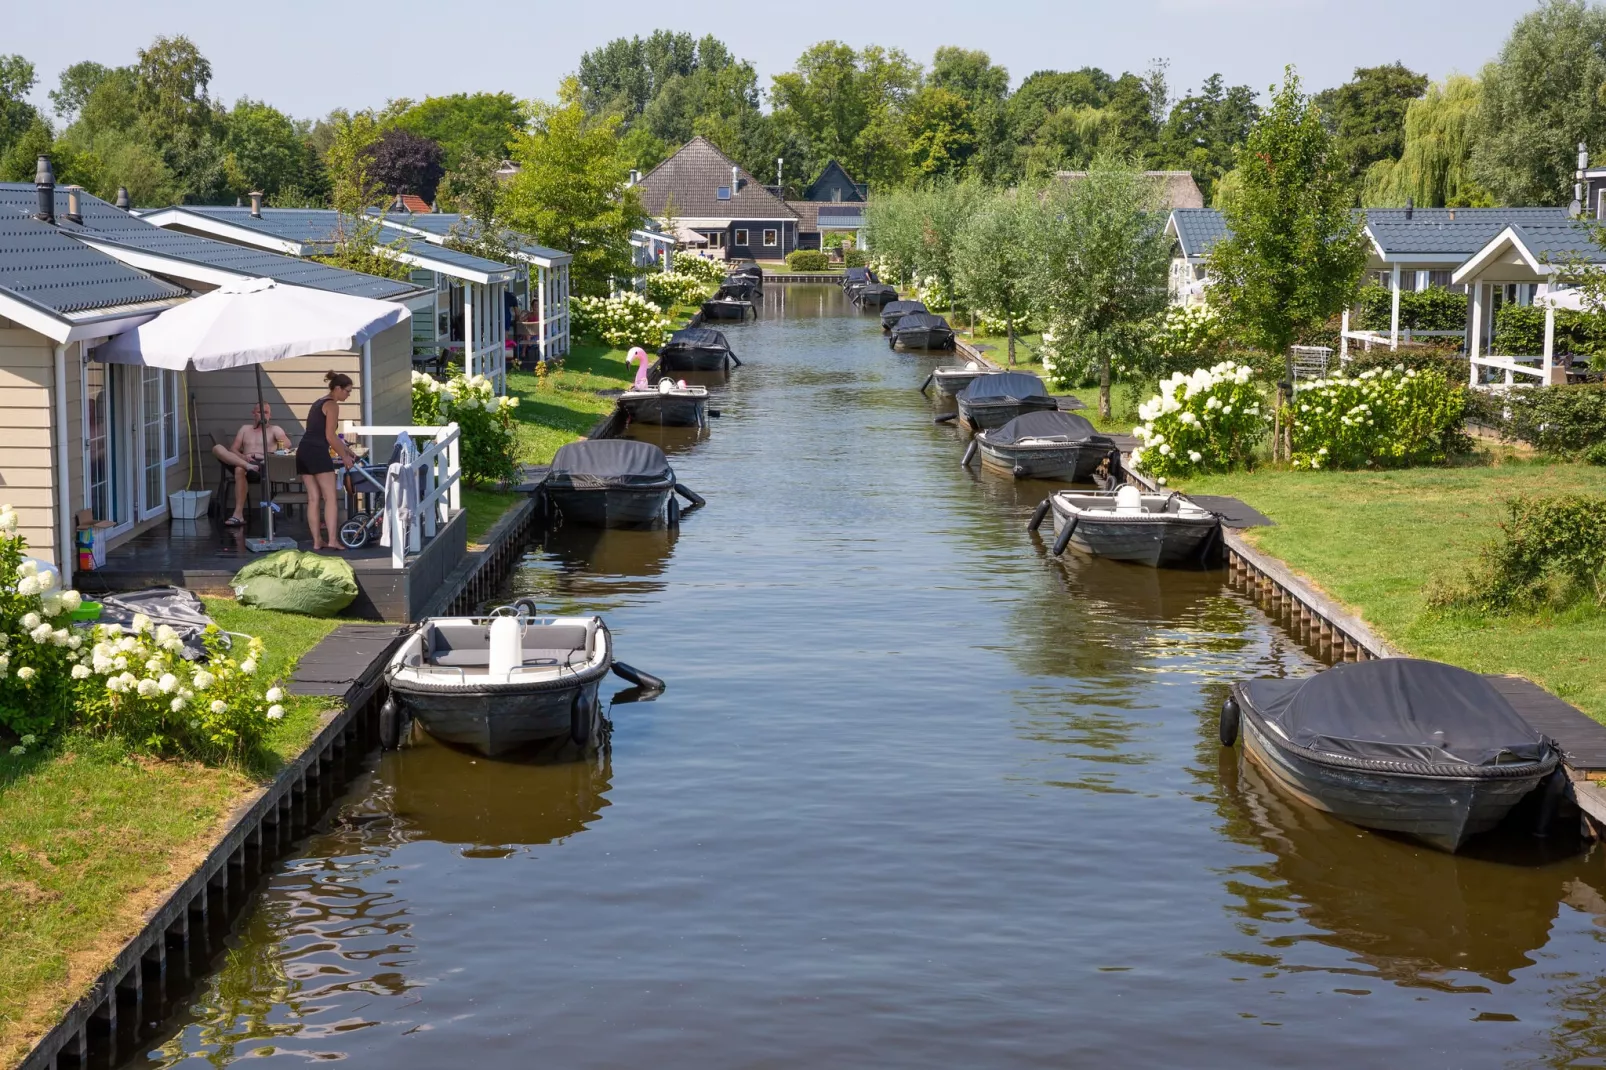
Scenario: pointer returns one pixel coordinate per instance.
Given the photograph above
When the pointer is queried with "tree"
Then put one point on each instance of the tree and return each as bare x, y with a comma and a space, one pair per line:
355, 191
16, 114
477, 194
941, 136
265, 151
1366, 115
404, 162
1434, 168
571, 190
77, 83
464, 123
1101, 258
1540, 99
1205, 129
848, 105
1294, 254
178, 118
993, 261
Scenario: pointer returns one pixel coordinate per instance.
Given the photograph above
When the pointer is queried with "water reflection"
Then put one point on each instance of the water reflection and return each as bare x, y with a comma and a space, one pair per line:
672, 440
594, 568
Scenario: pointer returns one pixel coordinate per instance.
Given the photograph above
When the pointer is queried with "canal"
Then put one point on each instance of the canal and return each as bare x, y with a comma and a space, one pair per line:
917, 795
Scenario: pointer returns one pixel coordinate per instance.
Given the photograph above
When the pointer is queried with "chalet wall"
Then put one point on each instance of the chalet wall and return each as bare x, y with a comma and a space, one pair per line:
27, 455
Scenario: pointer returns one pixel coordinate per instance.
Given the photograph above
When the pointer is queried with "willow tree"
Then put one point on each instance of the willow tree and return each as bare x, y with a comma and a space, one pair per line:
993, 263
1434, 169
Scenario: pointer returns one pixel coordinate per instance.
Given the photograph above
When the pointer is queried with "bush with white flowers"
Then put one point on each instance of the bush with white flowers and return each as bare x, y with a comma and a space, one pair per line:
36, 638
621, 321
488, 451
1381, 418
1206, 421
931, 290
1185, 336
668, 289
704, 269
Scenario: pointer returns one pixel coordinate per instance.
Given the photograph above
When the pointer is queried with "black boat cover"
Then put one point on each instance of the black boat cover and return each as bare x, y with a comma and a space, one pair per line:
921, 321
610, 462
858, 274
1004, 385
1400, 710
1048, 424
901, 308
752, 270
697, 338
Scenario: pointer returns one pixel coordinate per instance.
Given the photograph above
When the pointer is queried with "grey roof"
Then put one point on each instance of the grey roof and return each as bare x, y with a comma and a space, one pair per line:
692, 177
44, 267
815, 191
1449, 231
1557, 243
440, 224
1198, 230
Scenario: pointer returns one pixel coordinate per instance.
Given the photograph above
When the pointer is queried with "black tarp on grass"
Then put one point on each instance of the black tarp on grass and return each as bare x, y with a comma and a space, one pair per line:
1399, 710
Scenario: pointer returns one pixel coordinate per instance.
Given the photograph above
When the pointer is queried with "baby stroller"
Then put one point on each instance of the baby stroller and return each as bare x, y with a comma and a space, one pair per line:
367, 523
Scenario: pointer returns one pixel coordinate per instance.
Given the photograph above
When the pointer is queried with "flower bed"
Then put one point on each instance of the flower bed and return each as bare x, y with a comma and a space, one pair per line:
621, 321
488, 452
1206, 421
1383, 417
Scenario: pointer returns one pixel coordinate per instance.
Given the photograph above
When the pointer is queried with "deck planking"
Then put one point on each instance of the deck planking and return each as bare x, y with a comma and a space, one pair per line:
1582, 739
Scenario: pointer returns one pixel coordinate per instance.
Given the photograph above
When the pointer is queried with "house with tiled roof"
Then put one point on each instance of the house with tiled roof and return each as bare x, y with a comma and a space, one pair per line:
701, 190
835, 184
1193, 233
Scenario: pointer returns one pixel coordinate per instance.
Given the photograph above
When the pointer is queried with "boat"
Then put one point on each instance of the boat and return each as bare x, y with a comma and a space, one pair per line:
874, 295
893, 311
858, 276
954, 378
728, 308
695, 349
1420, 748
669, 404
1045, 445
994, 400
612, 483
1156, 529
749, 271
504, 682
739, 288
921, 330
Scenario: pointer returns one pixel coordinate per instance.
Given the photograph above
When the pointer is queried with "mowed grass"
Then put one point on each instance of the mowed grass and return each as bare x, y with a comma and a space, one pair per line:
485, 507
1380, 541
93, 836
566, 405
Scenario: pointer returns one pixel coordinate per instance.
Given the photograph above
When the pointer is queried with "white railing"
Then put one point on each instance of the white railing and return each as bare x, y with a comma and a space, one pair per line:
489, 361
1512, 366
440, 490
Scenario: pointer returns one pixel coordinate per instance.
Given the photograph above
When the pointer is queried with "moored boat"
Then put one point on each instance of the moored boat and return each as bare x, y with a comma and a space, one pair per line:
739, 288
954, 378
1046, 445
728, 308
1421, 748
921, 330
612, 483
695, 349
874, 295
994, 400
858, 276
1155, 529
893, 311
669, 404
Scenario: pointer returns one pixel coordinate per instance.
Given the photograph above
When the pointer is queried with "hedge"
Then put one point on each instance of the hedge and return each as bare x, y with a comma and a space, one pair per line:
1519, 331
1433, 309
808, 260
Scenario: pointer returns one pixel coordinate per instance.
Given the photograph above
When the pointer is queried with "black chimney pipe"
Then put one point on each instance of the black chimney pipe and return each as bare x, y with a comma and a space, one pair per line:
122, 199
1410, 206
44, 180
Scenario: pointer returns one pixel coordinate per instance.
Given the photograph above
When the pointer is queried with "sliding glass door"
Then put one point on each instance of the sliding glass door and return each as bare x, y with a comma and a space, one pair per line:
152, 442
104, 488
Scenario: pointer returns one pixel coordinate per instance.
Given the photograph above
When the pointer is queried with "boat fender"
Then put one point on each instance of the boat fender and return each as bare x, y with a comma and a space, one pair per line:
389, 725
672, 513
580, 719
947, 417
1230, 717
970, 453
637, 677
690, 495
1037, 516
1064, 538
714, 413
1021, 471
927, 383
506, 651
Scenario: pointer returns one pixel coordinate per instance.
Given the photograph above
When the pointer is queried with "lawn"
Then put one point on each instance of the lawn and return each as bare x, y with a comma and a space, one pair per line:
566, 405
485, 507
1378, 541
93, 835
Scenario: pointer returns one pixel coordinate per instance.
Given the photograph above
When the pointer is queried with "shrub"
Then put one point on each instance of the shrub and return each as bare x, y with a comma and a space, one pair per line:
669, 289
856, 258
1184, 337
620, 322
704, 270
36, 691
807, 260
1550, 551
1206, 421
1556, 419
1432, 309
1387, 418
1519, 331
488, 446
836, 239
1445, 362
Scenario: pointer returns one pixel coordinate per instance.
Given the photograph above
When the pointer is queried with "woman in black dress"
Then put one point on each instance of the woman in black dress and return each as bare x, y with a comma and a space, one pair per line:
315, 460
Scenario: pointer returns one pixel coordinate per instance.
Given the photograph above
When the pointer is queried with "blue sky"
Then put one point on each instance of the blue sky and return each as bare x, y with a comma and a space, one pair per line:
307, 56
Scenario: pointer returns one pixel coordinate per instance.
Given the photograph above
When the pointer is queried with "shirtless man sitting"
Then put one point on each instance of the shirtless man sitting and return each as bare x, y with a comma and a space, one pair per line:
245, 454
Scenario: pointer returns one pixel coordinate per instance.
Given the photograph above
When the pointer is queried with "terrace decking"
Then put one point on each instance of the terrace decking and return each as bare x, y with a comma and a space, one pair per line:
203, 556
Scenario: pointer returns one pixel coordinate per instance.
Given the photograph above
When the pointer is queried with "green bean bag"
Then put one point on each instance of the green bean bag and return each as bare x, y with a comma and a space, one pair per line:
297, 582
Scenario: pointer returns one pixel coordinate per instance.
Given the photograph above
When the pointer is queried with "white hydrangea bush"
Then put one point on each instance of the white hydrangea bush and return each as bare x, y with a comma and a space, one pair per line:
669, 289
621, 321
706, 270
1205, 421
485, 421
1383, 418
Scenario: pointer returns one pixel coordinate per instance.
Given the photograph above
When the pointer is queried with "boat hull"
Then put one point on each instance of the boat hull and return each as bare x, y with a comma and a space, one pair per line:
952, 382
922, 340
1072, 462
1443, 812
875, 296
613, 507
728, 310
1156, 541
984, 416
500, 721
670, 410
693, 360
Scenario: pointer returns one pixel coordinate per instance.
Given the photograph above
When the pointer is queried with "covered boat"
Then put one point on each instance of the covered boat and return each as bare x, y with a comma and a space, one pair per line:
893, 311
695, 349
739, 288
955, 377
994, 400
749, 271
612, 483
874, 295
728, 308
1160, 530
1414, 747
858, 276
921, 330
668, 404
501, 683
1045, 445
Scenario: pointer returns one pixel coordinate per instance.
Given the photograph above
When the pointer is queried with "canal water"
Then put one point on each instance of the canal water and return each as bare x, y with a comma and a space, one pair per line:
917, 795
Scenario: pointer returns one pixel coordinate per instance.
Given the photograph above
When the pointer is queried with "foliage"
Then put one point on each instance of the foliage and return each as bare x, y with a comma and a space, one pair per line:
942, 135
265, 152
625, 320
1540, 99
1432, 309
807, 260
465, 124
357, 245
478, 195
1185, 337
1446, 363
672, 289
16, 113
848, 105
1557, 419
1380, 418
915, 232
572, 193
1100, 259
401, 161
1434, 167
1206, 421
1519, 331
701, 268
1551, 551
489, 447
994, 268
1205, 130
853, 257
1366, 115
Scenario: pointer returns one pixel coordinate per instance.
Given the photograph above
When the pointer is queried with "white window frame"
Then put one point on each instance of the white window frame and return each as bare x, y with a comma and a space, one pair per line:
772, 237
146, 509
742, 236
173, 397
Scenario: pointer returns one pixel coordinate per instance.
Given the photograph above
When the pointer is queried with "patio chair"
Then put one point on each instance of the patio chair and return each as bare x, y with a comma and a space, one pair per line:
288, 493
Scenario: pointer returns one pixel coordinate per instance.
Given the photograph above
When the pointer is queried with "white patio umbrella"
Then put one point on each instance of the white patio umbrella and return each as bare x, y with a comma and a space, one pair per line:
252, 322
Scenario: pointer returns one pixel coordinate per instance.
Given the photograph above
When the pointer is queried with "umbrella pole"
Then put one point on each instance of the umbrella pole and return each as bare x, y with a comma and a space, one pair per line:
267, 481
